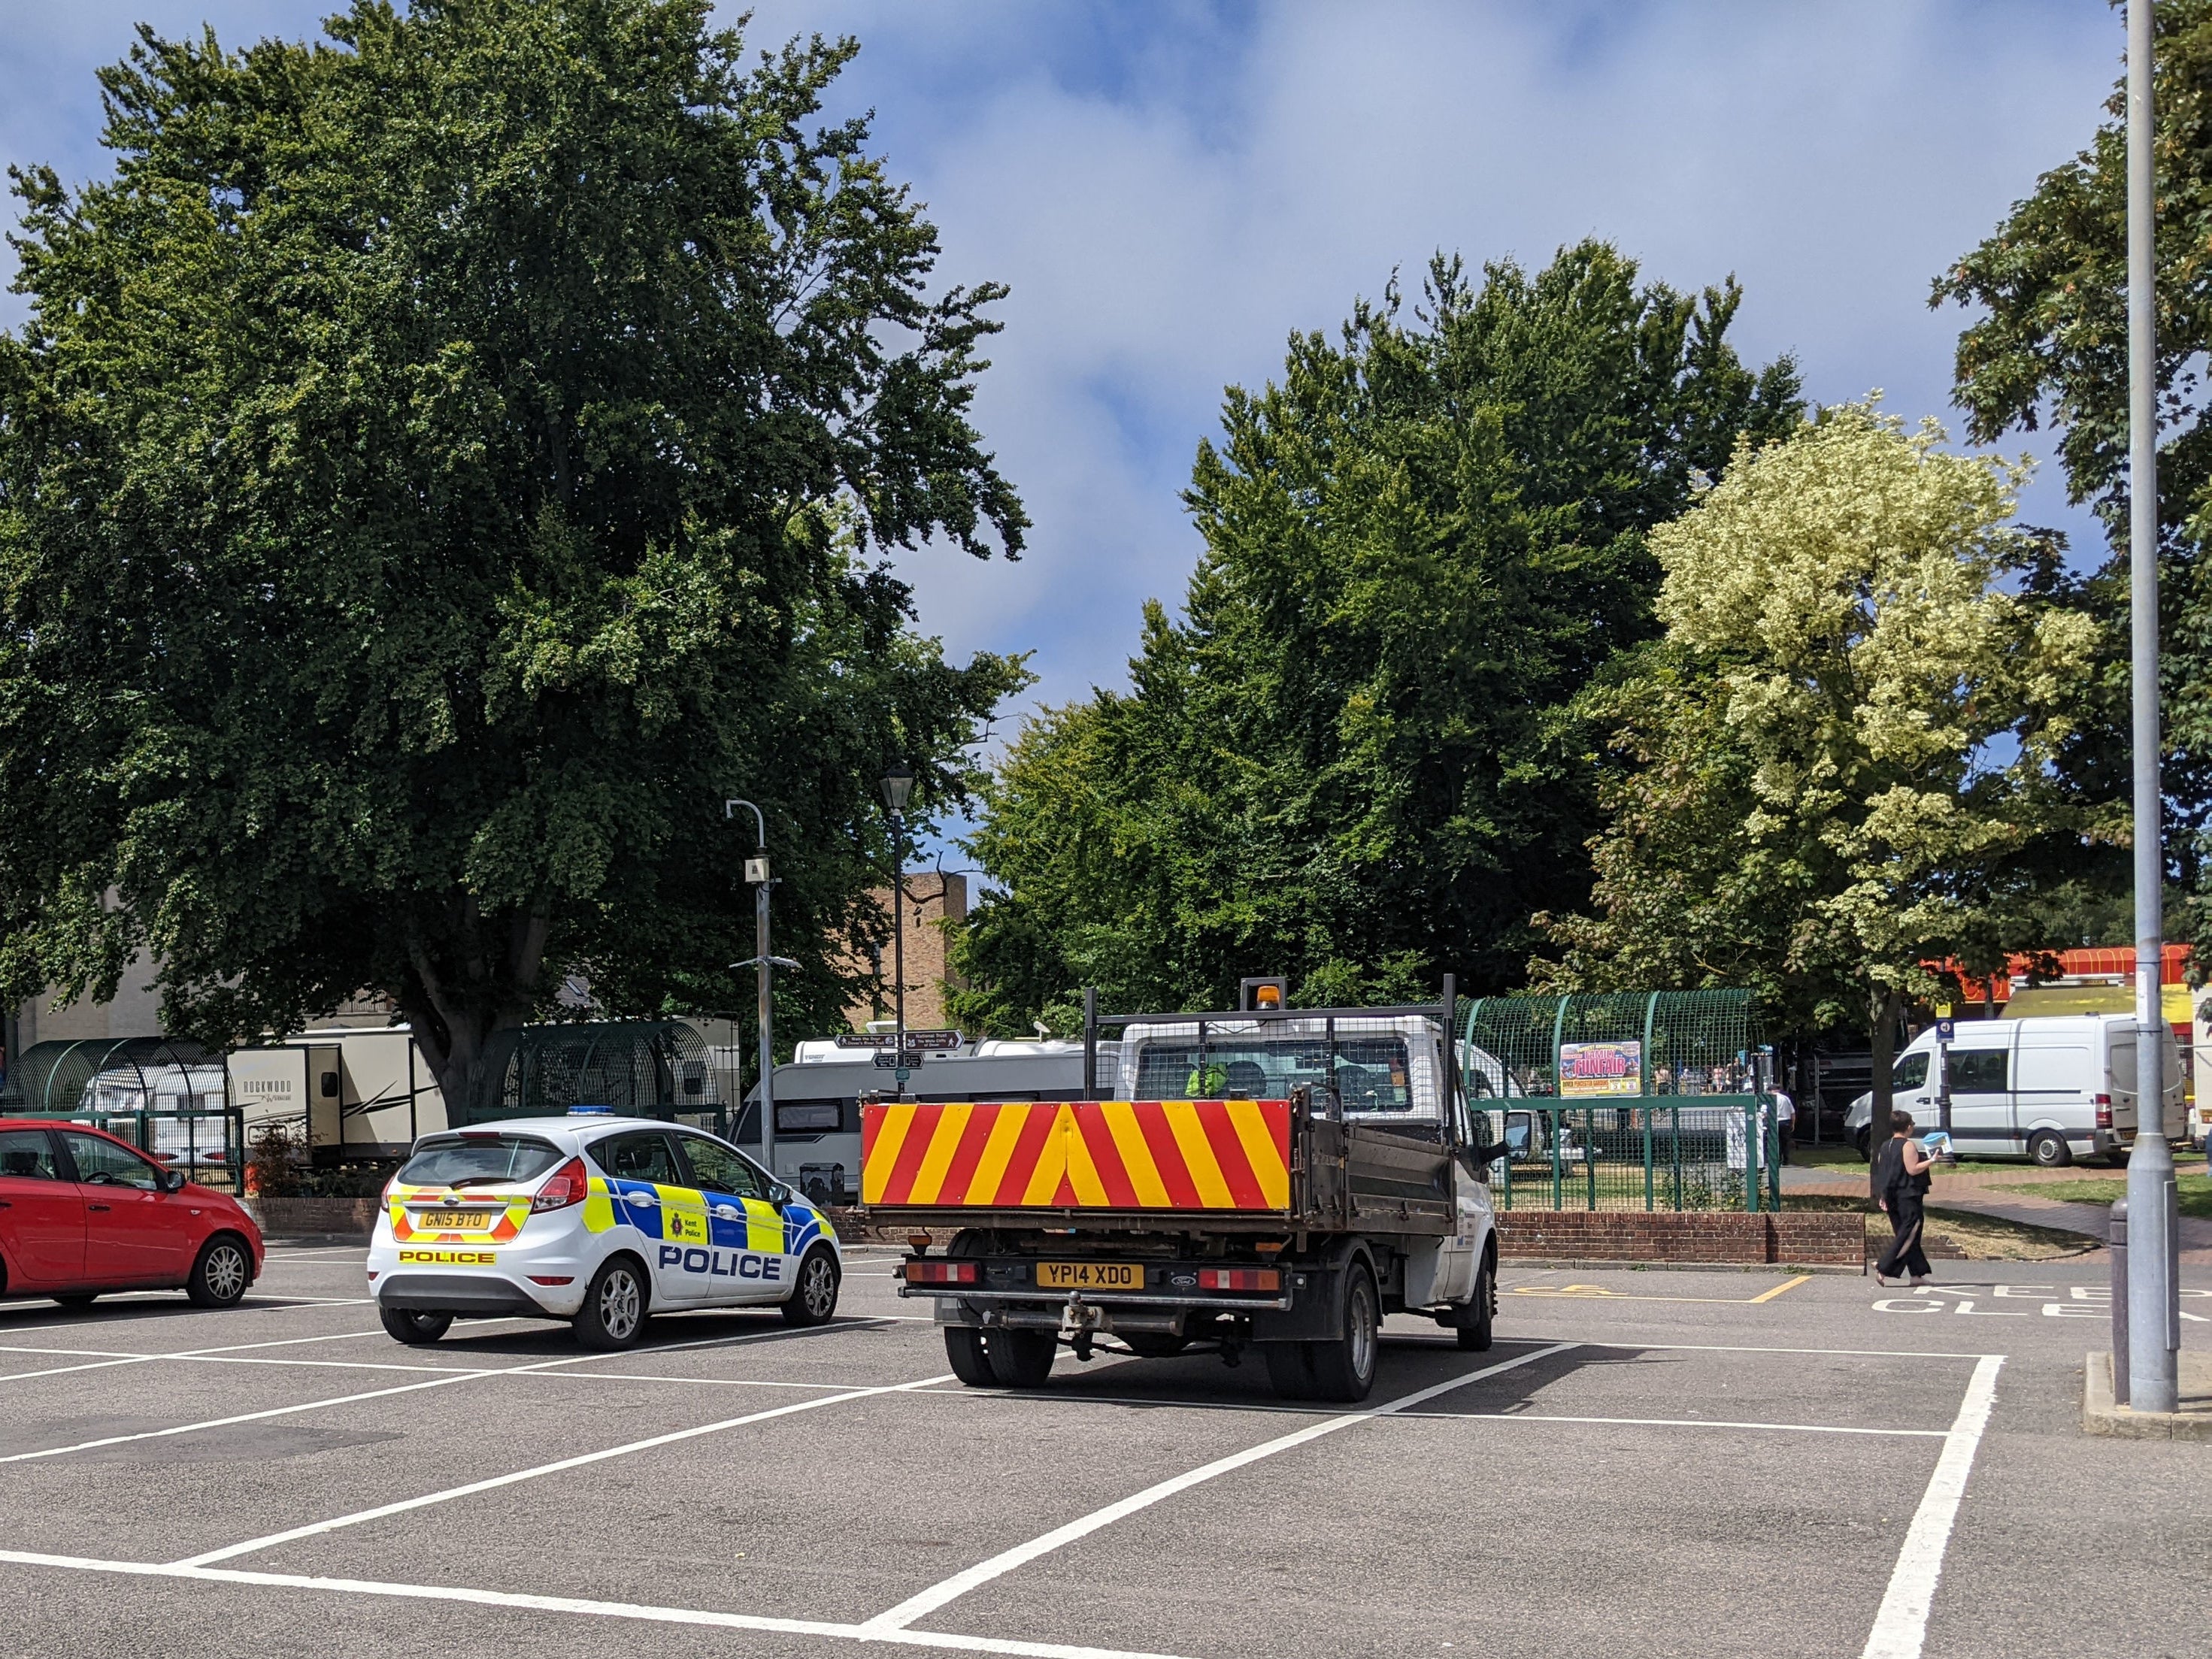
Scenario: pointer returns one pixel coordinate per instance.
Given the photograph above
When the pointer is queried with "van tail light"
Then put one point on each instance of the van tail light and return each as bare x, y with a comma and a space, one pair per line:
943, 1273
565, 1186
2104, 1111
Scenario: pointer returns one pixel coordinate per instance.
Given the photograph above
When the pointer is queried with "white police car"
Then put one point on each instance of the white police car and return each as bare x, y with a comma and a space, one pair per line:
596, 1219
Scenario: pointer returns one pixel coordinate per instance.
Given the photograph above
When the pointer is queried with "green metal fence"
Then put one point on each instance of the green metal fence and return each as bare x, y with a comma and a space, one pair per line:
1625, 1101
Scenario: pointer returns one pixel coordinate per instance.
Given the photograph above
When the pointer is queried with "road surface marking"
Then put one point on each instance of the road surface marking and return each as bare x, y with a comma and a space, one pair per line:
937, 1595
910, 1638
316, 1527
1599, 1293
1902, 1625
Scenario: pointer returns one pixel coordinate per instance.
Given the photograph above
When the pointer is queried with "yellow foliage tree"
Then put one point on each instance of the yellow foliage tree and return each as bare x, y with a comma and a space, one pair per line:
1835, 768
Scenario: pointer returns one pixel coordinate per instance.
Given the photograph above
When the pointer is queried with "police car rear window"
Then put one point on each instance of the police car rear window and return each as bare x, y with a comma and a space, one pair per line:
479, 1160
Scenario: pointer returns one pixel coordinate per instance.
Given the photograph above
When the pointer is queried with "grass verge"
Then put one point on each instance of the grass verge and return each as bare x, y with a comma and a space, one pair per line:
2195, 1194
1976, 1237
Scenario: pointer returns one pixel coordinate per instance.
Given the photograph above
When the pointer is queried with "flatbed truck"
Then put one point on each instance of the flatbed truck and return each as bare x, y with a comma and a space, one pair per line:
1269, 1180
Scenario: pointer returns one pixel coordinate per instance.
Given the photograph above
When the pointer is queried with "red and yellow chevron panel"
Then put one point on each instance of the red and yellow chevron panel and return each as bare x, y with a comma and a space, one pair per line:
1078, 1155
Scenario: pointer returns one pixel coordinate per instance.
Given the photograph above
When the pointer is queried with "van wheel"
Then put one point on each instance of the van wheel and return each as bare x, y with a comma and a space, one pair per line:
814, 1301
1344, 1369
417, 1329
613, 1314
2049, 1151
1859, 1140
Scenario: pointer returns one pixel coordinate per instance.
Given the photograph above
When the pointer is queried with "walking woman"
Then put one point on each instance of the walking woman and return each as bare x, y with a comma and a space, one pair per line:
1900, 1182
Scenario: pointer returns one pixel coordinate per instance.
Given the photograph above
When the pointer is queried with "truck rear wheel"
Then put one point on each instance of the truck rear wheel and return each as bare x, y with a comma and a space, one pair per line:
1289, 1369
1022, 1359
1344, 1369
1000, 1359
964, 1352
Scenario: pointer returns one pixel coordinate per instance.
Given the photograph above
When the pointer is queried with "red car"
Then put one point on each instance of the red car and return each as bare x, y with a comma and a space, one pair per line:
81, 1212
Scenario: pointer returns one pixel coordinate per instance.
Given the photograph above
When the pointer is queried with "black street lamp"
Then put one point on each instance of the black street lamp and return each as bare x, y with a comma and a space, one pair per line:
898, 785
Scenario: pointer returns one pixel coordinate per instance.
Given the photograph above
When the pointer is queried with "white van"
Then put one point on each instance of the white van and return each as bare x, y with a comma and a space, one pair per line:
2049, 1088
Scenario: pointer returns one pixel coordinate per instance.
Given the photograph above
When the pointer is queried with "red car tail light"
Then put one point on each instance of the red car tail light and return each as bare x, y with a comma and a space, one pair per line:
1239, 1279
943, 1273
2104, 1111
567, 1185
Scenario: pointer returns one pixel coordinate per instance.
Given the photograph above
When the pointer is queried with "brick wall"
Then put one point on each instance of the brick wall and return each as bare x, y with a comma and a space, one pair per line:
1722, 1238
935, 904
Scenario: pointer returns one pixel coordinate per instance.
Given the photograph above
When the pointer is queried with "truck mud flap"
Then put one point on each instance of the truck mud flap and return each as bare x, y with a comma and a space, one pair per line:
1315, 1316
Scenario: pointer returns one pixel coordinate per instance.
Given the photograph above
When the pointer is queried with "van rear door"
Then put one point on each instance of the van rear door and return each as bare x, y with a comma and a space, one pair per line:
2057, 1080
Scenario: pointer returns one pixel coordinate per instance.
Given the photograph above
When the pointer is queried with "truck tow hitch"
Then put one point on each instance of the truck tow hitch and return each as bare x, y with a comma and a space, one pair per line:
1083, 1320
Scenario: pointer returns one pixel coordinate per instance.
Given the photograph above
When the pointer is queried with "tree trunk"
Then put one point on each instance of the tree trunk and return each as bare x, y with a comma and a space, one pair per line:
1882, 1009
491, 988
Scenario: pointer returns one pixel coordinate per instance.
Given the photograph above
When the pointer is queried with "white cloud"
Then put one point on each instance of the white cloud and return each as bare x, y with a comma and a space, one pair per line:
1172, 188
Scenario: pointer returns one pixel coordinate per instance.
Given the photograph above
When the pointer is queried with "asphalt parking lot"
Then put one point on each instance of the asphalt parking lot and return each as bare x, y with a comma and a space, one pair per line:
1689, 1463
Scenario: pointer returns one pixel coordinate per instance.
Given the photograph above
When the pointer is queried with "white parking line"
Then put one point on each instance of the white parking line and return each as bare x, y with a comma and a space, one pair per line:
448, 1376
950, 1590
911, 1639
1902, 1625
314, 1529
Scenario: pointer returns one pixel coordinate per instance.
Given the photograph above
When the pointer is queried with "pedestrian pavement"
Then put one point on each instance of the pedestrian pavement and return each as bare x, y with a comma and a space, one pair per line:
1983, 1192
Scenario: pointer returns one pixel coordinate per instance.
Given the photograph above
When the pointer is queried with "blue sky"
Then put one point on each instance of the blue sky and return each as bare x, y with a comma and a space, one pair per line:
1172, 188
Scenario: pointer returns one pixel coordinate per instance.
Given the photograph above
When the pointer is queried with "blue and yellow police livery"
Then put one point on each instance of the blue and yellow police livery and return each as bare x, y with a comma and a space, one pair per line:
596, 1219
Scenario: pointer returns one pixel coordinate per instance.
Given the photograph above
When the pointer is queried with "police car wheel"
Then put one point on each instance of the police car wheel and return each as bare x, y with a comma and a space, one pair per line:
613, 1315
813, 1300
414, 1328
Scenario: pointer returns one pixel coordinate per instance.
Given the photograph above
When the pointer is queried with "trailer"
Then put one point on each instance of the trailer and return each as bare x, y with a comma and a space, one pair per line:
1263, 1180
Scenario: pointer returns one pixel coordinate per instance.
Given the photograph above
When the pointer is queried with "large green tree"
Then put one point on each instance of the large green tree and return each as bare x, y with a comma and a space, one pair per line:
2050, 347
1334, 764
1837, 762
443, 463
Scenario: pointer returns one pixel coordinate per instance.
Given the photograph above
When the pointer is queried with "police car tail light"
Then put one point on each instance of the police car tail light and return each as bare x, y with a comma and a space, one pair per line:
943, 1273
2104, 1111
565, 1186
1239, 1279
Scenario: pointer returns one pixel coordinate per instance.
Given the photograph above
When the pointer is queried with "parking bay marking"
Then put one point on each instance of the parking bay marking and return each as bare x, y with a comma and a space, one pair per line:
446, 1379
950, 1590
581, 1459
1599, 1293
1901, 1627
911, 1639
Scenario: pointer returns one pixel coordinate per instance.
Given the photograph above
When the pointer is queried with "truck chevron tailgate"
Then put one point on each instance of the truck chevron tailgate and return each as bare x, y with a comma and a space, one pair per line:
1203, 1155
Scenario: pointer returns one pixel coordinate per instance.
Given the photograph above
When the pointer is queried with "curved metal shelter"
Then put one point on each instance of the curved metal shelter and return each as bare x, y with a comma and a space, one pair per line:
642, 1069
169, 1096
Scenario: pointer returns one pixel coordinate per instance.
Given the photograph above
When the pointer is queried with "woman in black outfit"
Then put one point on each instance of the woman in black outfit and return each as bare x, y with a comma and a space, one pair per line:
1900, 1182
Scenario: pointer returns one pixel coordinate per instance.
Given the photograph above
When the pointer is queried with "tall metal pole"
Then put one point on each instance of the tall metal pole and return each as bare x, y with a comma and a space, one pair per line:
2153, 1269
898, 945
763, 966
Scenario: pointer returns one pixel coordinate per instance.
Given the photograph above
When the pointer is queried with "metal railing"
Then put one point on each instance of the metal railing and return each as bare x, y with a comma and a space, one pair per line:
1635, 1152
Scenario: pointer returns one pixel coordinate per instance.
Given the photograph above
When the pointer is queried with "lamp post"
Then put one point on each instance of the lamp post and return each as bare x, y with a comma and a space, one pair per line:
757, 872
898, 785
2154, 1267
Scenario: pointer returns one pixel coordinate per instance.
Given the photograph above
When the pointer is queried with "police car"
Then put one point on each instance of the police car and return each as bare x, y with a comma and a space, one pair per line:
596, 1219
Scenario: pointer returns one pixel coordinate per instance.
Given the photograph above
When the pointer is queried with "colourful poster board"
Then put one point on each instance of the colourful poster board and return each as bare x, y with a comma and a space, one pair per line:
1588, 1069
